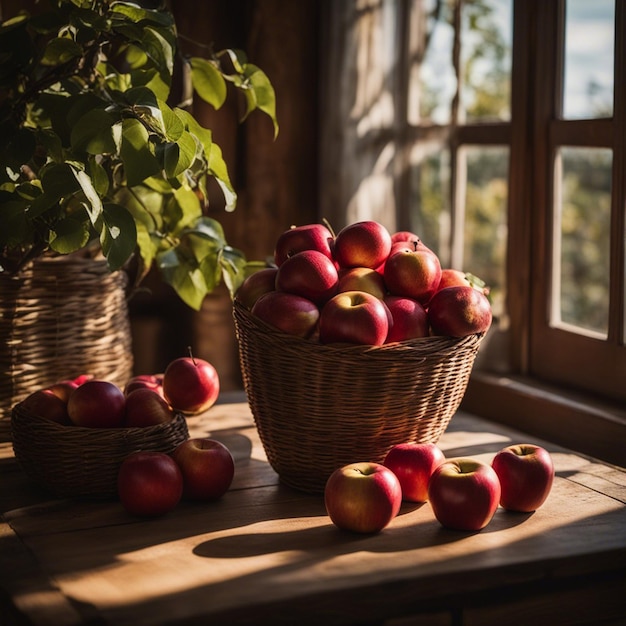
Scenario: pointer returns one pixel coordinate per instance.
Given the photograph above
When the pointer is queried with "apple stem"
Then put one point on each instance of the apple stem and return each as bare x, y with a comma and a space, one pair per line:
191, 354
330, 228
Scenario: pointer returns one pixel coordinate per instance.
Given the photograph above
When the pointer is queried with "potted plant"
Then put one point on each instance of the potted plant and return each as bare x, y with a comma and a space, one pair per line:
97, 159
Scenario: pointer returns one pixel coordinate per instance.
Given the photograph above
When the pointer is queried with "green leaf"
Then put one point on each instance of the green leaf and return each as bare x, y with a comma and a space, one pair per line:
234, 266
13, 222
99, 177
178, 156
159, 51
136, 14
94, 208
139, 162
118, 235
60, 50
69, 235
260, 94
58, 181
186, 279
93, 133
208, 82
218, 169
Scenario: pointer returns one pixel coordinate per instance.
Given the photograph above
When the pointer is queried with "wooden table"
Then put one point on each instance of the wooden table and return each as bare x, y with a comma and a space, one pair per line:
268, 554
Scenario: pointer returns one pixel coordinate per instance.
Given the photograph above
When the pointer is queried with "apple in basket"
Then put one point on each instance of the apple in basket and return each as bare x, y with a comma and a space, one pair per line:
464, 493
362, 497
288, 312
526, 473
97, 404
149, 381
409, 319
45, 403
413, 272
459, 311
146, 407
191, 385
361, 279
413, 464
362, 244
354, 317
149, 484
207, 467
300, 238
256, 285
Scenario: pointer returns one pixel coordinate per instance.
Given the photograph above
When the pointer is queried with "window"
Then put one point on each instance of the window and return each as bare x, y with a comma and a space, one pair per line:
496, 130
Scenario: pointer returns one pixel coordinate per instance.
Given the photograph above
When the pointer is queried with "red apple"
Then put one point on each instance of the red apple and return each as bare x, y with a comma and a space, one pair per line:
309, 274
361, 279
145, 381
362, 244
409, 319
288, 312
62, 389
459, 311
362, 497
97, 404
149, 483
526, 472
207, 467
256, 285
413, 274
452, 278
404, 236
191, 385
83, 378
146, 407
354, 317
300, 238
44, 403
413, 464
464, 493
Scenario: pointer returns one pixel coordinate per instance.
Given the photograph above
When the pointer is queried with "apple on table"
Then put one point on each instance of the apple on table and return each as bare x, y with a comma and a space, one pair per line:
464, 493
526, 473
362, 497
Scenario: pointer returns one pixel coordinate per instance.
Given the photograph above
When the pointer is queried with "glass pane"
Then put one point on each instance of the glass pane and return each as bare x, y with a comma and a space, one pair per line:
589, 48
429, 199
432, 78
582, 252
486, 60
485, 225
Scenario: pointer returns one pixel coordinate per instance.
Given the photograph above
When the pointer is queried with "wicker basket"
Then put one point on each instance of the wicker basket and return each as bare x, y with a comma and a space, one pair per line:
318, 407
59, 318
76, 462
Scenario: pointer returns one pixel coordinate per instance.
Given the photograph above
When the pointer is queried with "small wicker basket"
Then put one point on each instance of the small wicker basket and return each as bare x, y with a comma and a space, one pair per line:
76, 462
318, 407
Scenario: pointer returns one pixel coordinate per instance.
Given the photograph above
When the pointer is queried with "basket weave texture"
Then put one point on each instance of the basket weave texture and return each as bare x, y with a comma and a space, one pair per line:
59, 318
77, 462
318, 407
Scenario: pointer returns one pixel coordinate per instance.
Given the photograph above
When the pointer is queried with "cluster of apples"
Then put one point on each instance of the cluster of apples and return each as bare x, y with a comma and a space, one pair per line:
188, 385
363, 286
464, 493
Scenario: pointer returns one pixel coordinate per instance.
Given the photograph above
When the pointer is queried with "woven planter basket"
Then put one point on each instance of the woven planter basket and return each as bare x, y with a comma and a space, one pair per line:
318, 407
59, 318
76, 462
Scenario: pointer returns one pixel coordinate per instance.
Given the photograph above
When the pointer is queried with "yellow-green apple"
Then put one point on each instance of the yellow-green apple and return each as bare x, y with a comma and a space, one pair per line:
44, 403
413, 464
207, 467
309, 274
149, 483
146, 407
409, 319
459, 311
362, 244
256, 285
361, 279
299, 238
145, 381
354, 317
464, 493
362, 497
97, 404
190, 385
288, 312
526, 473
413, 274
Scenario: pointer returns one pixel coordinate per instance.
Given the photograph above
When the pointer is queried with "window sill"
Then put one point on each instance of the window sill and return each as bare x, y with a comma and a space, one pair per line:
565, 417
